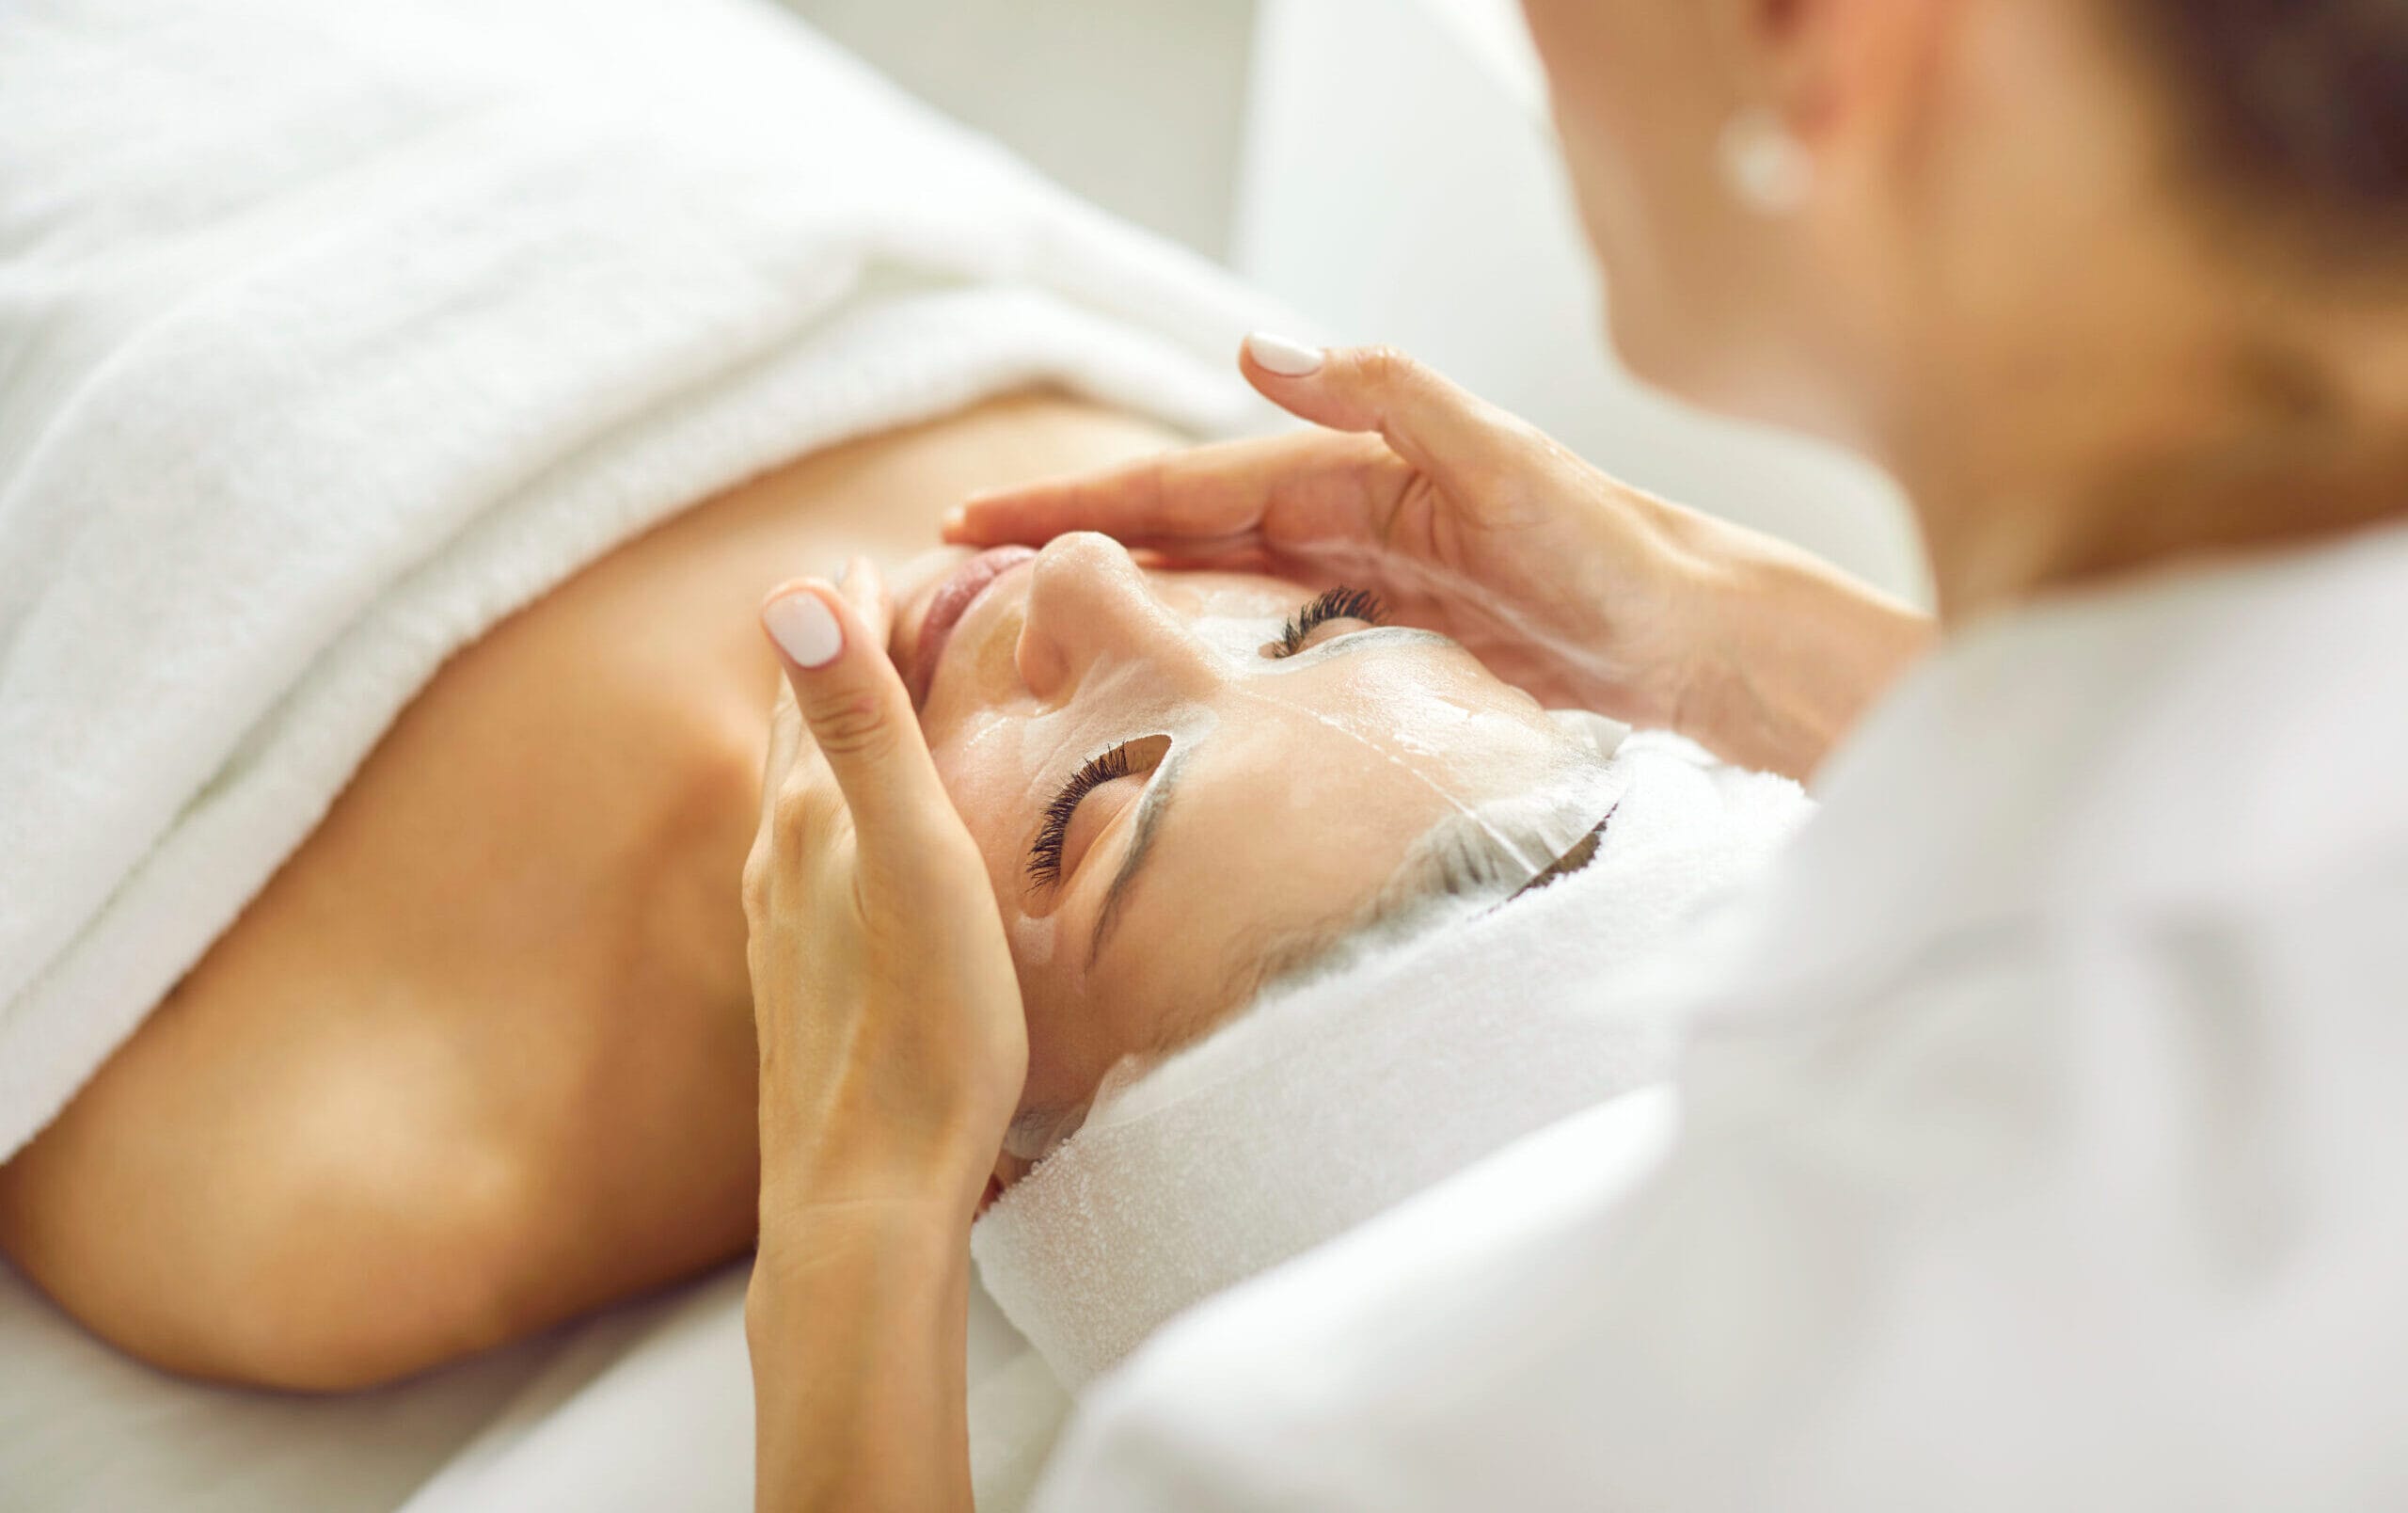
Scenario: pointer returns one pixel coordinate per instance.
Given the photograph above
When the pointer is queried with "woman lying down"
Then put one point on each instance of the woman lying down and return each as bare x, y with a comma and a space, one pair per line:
482, 1057
383, 707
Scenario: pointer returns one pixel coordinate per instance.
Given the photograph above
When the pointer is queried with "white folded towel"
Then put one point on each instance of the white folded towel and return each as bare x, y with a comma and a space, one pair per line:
1319, 1109
332, 333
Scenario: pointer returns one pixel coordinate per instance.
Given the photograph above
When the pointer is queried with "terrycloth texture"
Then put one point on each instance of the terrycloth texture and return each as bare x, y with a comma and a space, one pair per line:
330, 334
1317, 1110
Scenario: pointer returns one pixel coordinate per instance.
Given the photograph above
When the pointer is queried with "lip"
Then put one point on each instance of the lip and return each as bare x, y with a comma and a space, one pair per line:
953, 600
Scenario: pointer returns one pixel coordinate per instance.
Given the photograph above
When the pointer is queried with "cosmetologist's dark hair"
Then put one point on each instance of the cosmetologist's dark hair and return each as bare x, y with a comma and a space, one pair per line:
2303, 100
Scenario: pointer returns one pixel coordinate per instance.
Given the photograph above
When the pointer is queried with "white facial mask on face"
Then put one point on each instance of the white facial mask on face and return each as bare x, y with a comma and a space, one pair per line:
1546, 818
1321, 1106
1432, 740
1572, 805
1602, 735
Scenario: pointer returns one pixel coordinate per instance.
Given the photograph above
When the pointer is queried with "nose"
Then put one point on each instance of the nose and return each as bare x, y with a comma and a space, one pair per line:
1089, 609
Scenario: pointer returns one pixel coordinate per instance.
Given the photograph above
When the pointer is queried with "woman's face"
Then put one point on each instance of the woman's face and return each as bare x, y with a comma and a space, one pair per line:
1176, 777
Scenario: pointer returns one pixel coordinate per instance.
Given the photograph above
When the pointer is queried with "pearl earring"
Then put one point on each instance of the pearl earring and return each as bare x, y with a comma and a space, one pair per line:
1765, 166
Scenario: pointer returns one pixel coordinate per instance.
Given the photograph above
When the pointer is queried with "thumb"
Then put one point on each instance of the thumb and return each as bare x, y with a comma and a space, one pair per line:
859, 718
1437, 427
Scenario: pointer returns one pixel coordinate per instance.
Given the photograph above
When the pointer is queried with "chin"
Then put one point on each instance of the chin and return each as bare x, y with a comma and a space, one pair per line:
1666, 354
1716, 371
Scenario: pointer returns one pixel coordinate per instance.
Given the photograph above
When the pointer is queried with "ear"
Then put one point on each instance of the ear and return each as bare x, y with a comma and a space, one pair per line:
1843, 73
1008, 1169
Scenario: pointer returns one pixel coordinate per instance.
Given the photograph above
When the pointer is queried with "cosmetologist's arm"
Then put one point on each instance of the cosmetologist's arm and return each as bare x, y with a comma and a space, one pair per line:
892, 1050
1466, 521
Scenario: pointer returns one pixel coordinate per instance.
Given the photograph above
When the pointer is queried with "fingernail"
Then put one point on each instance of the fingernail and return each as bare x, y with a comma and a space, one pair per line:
1276, 354
805, 629
955, 519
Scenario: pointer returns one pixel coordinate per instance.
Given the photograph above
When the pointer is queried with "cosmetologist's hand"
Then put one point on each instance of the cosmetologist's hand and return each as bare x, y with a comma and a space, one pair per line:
892, 1050
893, 1045
1469, 521
1461, 518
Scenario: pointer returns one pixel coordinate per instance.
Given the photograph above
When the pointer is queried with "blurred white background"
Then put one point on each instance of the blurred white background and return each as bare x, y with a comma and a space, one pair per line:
1384, 166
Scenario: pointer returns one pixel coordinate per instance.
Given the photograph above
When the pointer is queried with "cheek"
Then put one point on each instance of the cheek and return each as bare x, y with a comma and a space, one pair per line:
979, 764
1072, 1042
1051, 1049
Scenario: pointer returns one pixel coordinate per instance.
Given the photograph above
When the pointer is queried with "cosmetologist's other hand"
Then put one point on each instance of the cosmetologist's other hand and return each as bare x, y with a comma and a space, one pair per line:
892, 1050
1463, 518
1471, 522
893, 1045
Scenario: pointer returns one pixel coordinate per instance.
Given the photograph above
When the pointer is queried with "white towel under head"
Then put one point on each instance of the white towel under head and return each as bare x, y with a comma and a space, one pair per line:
1319, 1108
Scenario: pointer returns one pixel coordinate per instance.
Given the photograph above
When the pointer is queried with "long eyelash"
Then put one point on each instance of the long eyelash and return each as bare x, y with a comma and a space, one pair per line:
1337, 604
1045, 858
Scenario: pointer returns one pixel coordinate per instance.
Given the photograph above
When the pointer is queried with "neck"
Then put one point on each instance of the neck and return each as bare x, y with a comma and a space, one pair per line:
2088, 469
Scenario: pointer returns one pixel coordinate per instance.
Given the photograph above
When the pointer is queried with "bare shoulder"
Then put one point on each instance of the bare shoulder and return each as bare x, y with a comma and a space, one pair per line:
479, 1056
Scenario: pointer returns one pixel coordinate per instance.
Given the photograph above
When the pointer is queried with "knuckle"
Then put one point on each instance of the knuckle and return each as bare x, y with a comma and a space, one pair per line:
853, 726
1386, 366
1367, 456
759, 871
802, 817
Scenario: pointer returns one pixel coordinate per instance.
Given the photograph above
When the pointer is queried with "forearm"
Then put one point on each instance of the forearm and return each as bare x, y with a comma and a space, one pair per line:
855, 1322
1786, 651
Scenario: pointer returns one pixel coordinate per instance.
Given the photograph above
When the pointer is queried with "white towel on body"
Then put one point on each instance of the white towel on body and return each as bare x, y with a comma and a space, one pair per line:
331, 334
1320, 1108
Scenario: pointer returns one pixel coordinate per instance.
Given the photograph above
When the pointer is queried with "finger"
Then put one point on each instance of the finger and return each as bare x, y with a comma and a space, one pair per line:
770, 856
860, 720
864, 588
1210, 493
1245, 556
861, 585
786, 739
1445, 432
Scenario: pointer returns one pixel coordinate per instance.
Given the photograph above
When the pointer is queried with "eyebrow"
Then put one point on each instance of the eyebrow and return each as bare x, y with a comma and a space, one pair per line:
1371, 638
1149, 824
1158, 792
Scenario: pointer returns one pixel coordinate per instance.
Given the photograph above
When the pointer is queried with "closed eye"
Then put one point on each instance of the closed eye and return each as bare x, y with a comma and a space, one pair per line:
1334, 605
1046, 854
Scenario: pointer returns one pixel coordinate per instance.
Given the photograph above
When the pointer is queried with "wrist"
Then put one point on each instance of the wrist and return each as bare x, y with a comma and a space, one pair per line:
1669, 613
876, 1183
854, 1321
890, 1204
1784, 652
853, 1156
810, 1231
885, 1256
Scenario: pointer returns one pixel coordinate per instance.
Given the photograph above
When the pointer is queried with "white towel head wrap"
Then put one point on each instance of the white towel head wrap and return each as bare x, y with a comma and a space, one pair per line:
1324, 1104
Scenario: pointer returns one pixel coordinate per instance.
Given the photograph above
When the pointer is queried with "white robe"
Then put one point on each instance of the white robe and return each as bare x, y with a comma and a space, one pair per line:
2042, 1148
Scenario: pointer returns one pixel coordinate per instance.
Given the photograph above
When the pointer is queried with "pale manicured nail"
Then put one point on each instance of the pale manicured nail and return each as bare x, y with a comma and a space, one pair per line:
804, 627
1276, 354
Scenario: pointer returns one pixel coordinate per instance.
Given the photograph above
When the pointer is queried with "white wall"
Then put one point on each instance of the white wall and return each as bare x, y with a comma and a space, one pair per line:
1384, 166
1399, 184
1137, 104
